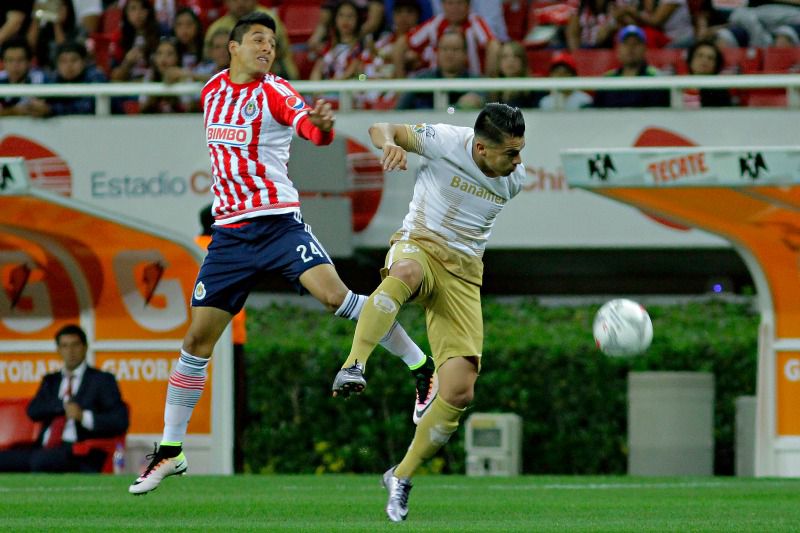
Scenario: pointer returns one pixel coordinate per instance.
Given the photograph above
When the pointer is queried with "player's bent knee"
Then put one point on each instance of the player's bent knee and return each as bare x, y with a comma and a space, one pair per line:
407, 271
458, 398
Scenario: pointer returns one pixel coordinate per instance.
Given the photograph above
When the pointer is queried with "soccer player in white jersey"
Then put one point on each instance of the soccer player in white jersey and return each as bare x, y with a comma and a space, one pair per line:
250, 116
468, 176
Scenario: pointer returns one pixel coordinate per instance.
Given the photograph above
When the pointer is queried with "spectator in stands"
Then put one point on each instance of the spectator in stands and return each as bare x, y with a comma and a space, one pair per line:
71, 67
631, 55
342, 60
377, 57
490, 10
514, 64
140, 37
451, 63
563, 65
165, 68
17, 69
284, 65
761, 18
423, 40
705, 59
15, 16
592, 26
665, 22
217, 57
75, 404
188, 31
370, 14
50, 30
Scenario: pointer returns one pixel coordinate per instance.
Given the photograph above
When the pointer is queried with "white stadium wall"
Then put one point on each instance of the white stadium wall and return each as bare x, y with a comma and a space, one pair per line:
156, 169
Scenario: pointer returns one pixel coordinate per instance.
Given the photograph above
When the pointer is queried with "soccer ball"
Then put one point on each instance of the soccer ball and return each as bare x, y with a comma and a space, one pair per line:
622, 328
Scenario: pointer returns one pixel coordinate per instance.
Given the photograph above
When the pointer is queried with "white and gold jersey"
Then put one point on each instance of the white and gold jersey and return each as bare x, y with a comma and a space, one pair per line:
454, 204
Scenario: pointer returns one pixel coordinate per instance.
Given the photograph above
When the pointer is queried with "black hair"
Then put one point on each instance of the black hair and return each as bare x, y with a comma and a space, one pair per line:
243, 25
72, 329
407, 4
497, 121
73, 47
719, 61
17, 42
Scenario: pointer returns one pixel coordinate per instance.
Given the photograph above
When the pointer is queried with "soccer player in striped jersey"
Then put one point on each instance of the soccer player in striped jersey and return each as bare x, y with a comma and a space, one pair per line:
250, 117
435, 259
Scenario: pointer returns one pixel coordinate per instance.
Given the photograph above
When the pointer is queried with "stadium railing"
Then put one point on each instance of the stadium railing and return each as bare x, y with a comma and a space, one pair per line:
345, 90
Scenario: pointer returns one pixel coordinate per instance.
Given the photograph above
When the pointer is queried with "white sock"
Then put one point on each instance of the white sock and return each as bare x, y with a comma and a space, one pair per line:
400, 344
186, 383
396, 340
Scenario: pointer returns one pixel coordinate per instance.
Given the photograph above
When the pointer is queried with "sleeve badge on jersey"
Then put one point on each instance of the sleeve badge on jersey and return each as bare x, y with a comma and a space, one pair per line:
250, 110
295, 102
427, 129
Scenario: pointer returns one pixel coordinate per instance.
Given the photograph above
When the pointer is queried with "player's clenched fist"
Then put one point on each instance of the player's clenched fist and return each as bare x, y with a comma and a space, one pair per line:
322, 115
394, 157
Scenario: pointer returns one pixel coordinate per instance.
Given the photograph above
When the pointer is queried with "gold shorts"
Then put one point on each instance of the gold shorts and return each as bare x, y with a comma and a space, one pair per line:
452, 305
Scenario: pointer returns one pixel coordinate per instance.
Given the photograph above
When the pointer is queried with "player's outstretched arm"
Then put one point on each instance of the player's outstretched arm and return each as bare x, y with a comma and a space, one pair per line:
393, 140
322, 115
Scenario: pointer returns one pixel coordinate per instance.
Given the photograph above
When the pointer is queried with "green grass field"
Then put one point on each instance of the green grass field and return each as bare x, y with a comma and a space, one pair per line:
438, 503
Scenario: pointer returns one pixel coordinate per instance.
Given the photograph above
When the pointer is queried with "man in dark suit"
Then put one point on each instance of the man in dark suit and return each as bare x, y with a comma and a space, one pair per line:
74, 404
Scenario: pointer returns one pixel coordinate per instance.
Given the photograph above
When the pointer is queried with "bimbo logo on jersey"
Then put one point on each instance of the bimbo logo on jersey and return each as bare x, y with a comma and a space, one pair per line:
227, 134
295, 102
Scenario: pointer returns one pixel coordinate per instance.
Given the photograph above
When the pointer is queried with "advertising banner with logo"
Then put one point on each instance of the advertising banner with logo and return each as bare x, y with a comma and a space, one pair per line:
157, 170
127, 285
750, 196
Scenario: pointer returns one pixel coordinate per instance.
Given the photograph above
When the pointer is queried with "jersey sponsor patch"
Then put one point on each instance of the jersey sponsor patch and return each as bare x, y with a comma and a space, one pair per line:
295, 102
228, 134
427, 129
250, 110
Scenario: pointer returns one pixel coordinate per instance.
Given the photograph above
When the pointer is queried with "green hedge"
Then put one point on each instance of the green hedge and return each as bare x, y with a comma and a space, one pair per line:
539, 362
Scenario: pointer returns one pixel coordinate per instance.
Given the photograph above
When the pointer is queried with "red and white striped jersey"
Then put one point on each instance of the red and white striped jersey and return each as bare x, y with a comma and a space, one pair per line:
424, 39
249, 129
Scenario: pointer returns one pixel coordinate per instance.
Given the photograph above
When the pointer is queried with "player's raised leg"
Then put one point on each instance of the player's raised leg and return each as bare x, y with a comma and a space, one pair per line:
323, 283
186, 383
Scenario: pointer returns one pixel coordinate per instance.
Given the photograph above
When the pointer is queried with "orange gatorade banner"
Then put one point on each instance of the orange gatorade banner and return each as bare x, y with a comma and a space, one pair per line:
139, 285
142, 379
21, 373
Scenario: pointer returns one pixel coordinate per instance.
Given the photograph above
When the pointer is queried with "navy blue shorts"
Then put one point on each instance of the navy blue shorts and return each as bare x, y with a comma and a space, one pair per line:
239, 256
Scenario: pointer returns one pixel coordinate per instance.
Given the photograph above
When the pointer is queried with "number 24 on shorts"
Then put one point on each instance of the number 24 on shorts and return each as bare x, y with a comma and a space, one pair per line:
304, 251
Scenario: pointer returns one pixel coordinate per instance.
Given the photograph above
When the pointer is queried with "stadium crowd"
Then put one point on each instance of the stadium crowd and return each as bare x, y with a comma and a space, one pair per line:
98, 41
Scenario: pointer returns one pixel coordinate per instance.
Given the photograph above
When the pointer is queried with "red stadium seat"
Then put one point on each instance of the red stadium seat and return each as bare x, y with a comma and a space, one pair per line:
539, 61
742, 60
595, 62
667, 60
300, 19
782, 60
303, 62
16, 429
108, 445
